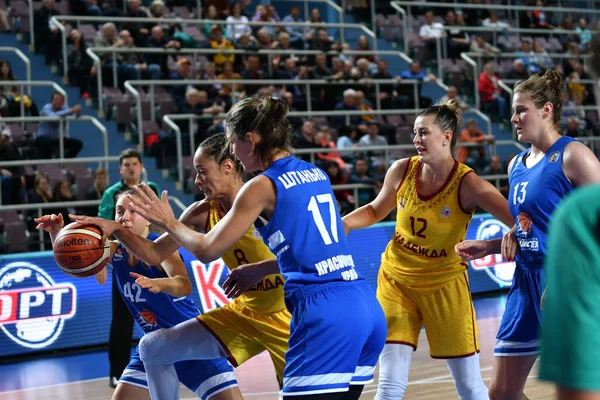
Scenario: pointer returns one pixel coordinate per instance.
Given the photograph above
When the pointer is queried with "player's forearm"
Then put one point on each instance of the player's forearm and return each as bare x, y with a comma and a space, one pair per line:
144, 249
53, 236
192, 241
267, 267
361, 218
177, 286
494, 246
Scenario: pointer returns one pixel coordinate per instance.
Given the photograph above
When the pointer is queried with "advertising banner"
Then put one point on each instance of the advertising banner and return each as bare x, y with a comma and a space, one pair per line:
42, 308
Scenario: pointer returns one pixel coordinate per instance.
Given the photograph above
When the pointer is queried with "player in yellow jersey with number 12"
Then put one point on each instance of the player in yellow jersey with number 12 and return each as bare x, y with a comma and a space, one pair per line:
255, 321
422, 281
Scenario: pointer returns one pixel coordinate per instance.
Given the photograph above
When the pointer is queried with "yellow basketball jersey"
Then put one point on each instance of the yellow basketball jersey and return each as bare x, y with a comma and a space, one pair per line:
421, 253
267, 295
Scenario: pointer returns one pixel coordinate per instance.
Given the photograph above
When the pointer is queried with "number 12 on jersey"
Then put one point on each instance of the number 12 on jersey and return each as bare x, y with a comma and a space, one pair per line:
313, 207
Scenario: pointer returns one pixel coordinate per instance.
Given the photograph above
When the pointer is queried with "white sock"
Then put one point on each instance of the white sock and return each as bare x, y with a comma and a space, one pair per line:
160, 349
394, 365
467, 378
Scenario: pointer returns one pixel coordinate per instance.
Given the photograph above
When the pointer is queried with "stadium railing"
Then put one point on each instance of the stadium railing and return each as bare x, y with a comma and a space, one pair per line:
58, 19
62, 132
399, 5
24, 58
29, 84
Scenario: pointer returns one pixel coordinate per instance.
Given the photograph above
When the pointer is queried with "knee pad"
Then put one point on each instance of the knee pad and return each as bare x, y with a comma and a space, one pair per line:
151, 346
467, 378
394, 365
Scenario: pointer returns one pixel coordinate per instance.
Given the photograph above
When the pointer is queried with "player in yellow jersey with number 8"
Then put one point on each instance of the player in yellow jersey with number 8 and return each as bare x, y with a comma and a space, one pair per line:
255, 321
422, 281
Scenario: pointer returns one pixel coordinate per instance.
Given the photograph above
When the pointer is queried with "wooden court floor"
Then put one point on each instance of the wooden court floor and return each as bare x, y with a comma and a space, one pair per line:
429, 378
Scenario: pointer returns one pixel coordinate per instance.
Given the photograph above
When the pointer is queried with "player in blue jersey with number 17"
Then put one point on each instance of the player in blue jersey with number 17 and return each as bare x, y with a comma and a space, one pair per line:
338, 328
539, 178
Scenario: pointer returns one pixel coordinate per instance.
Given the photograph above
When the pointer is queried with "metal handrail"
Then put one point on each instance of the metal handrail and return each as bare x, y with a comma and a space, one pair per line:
29, 84
56, 21
24, 58
473, 64
404, 23
82, 118
129, 86
492, 7
179, 148
48, 161
31, 24
114, 50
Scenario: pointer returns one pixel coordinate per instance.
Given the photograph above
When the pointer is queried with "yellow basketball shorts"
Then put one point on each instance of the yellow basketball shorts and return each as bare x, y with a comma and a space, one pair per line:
244, 333
446, 312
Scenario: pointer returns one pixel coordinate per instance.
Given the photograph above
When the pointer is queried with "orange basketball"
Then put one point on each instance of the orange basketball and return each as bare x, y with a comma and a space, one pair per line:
79, 252
524, 222
148, 317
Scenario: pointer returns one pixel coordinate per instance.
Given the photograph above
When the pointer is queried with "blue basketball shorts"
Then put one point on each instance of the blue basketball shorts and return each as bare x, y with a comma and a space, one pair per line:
337, 332
206, 378
519, 330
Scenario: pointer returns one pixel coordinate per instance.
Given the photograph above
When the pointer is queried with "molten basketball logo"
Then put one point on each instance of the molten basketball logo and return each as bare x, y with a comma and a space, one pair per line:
497, 268
32, 307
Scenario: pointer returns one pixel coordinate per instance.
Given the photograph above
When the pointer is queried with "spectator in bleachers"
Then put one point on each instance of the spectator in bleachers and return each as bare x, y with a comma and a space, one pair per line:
388, 95
415, 72
62, 193
495, 168
311, 30
5, 25
565, 39
47, 38
585, 35
540, 61
221, 6
458, 40
197, 102
252, 70
306, 139
575, 86
321, 41
474, 157
262, 15
80, 63
229, 74
296, 32
362, 174
39, 194
373, 138
337, 176
264, 39
323, 139
157, 10
210, 13
107, 8
11, 96
347, 139
184, 71
95, 192
573, 128
475, 16
348, 103
539, 18
493, 22
518, 70
209, 73
134, 64
47, 140
479, 45
431, 32
295, 122
12, 178
525, 54
6, 74
491, 93
218, 41
360, 102
138, 30
572, 59
363, 45
158, 40
282, 43
237, 23
452, 93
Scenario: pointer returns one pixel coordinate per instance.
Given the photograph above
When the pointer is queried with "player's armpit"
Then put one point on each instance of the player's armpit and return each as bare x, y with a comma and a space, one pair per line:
475, 191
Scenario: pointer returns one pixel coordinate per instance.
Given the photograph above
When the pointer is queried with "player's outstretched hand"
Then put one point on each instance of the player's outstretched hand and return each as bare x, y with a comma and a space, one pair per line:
146, 283
148, 205
472, 249
50, 223
241, 279
510, 244
101, 276
107, 226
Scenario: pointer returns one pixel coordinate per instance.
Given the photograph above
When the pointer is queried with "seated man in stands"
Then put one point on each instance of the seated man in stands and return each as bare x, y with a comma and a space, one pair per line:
47, 140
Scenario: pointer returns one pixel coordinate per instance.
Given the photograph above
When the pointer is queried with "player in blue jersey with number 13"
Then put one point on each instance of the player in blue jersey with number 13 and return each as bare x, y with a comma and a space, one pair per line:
338, 328
539, 178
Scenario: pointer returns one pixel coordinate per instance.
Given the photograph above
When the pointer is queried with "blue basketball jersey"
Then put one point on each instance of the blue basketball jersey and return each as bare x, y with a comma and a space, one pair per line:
151, 311
306, 231
534, 195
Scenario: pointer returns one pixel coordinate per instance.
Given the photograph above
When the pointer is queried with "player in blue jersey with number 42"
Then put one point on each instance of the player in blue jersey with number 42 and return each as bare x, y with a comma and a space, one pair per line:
539, 178
338, 328
157, 298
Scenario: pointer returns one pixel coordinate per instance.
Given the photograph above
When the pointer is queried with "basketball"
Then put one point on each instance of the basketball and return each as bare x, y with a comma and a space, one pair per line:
79, 252
524, 222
